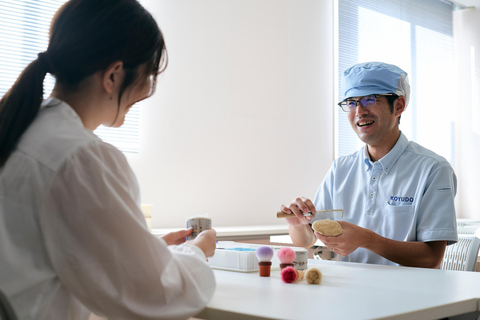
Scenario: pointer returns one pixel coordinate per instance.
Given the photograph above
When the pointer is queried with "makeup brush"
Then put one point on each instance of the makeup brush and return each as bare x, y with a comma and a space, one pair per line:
264, 255
313, 276
286, 256
289, 275
330, 214
301, 274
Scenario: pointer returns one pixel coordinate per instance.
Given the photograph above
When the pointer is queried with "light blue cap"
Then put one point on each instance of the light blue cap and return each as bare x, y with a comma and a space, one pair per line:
375, 78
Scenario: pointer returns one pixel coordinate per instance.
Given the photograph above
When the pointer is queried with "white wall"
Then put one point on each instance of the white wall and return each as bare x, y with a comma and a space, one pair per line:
466, 25
242, 119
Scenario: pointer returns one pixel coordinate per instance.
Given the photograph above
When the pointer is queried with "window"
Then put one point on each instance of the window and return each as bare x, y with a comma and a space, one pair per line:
417, 36
24, 27
127, 137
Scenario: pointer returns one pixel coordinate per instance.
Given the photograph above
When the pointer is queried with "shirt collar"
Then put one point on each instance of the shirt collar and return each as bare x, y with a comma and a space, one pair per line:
65, 107
389, 160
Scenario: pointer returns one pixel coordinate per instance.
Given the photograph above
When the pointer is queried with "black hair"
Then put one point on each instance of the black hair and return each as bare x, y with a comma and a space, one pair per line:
391, 101
86, 36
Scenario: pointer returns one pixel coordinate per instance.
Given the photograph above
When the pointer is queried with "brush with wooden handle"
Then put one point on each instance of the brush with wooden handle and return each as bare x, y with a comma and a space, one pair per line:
281, 214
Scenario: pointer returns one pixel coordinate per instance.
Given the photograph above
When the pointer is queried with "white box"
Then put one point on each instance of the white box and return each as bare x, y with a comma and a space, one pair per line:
241, 257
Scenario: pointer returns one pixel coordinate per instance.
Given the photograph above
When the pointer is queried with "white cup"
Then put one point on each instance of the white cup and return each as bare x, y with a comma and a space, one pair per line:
198, 224
147, 213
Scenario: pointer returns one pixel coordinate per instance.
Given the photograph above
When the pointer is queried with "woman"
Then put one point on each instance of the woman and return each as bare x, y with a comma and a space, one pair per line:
72, 236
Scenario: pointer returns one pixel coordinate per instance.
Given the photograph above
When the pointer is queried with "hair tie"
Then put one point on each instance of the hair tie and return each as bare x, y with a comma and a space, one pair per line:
44, 59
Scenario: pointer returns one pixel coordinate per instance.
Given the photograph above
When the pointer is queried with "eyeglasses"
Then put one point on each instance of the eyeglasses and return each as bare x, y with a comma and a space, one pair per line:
348, 105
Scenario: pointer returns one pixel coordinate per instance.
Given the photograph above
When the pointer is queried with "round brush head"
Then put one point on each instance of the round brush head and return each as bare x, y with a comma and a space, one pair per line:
313, 276
289, 275
286, 256
264, 253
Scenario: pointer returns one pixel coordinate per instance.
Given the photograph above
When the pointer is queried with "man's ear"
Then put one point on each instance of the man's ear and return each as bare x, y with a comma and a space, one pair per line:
112, 76
399, 106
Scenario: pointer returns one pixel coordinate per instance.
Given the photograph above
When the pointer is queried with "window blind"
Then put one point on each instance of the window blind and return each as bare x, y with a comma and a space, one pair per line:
415, 35
127, 137
24, 27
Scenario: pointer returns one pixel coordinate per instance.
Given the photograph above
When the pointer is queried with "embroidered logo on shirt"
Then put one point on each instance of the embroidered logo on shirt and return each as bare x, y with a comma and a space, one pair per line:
401, 199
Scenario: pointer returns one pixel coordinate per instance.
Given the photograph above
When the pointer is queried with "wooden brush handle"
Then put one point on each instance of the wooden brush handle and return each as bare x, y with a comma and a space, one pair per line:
281, 214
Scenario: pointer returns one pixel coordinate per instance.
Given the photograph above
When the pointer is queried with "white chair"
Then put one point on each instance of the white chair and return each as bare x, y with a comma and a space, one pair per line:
467, 222
6, 309
461, 255
471, 231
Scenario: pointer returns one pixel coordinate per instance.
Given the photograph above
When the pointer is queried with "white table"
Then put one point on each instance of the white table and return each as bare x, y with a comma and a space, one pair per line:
348, 291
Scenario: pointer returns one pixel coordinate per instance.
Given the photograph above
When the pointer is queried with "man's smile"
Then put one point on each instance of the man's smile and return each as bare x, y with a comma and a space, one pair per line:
365, 123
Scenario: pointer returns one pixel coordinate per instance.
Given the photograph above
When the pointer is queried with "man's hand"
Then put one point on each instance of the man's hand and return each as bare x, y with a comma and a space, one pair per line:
406, 253
297, 208
300, 231
352, 238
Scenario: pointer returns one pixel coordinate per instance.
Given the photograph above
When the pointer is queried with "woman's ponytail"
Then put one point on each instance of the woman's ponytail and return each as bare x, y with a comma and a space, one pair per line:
19, 106
86, 36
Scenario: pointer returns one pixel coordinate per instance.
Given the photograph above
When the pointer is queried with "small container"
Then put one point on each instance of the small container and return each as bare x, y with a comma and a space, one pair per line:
198, 224
301, 260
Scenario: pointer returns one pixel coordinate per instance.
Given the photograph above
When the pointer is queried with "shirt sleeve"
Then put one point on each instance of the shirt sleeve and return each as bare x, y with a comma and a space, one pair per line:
436, 212
102, 251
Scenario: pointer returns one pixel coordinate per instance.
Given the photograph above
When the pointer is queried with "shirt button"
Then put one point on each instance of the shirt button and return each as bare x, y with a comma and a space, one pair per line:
371, 195
374, 178
386, 168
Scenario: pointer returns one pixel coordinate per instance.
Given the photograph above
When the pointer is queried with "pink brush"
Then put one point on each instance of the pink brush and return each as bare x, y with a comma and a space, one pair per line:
286, 256
289, 274
264, 255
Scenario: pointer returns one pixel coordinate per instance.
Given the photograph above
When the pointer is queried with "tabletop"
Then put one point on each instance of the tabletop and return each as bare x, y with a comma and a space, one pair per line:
347, 291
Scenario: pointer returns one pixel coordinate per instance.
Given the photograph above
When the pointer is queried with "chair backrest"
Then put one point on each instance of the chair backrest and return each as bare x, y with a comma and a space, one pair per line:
6, 309
461, 255
467, 222
473, 230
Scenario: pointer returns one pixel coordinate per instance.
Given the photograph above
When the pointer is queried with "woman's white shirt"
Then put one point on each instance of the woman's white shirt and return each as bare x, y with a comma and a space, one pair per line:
73, 238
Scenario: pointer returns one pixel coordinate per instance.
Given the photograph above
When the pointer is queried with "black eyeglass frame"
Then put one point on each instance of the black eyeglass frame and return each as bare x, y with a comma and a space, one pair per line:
343, 104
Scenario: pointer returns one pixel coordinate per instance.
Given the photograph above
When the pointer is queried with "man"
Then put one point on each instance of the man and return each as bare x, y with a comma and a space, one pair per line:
398, 197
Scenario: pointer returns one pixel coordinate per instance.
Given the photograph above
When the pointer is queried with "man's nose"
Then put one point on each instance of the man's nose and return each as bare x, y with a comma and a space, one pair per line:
360, 109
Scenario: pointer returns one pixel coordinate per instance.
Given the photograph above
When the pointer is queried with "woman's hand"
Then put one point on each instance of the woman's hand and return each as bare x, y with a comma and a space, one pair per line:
206, 242
177, 237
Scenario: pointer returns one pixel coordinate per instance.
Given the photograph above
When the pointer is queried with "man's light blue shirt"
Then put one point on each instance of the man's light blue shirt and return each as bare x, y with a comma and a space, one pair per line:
408, 195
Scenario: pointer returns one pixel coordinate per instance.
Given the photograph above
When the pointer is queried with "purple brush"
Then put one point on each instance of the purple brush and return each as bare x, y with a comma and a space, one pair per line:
264, 255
